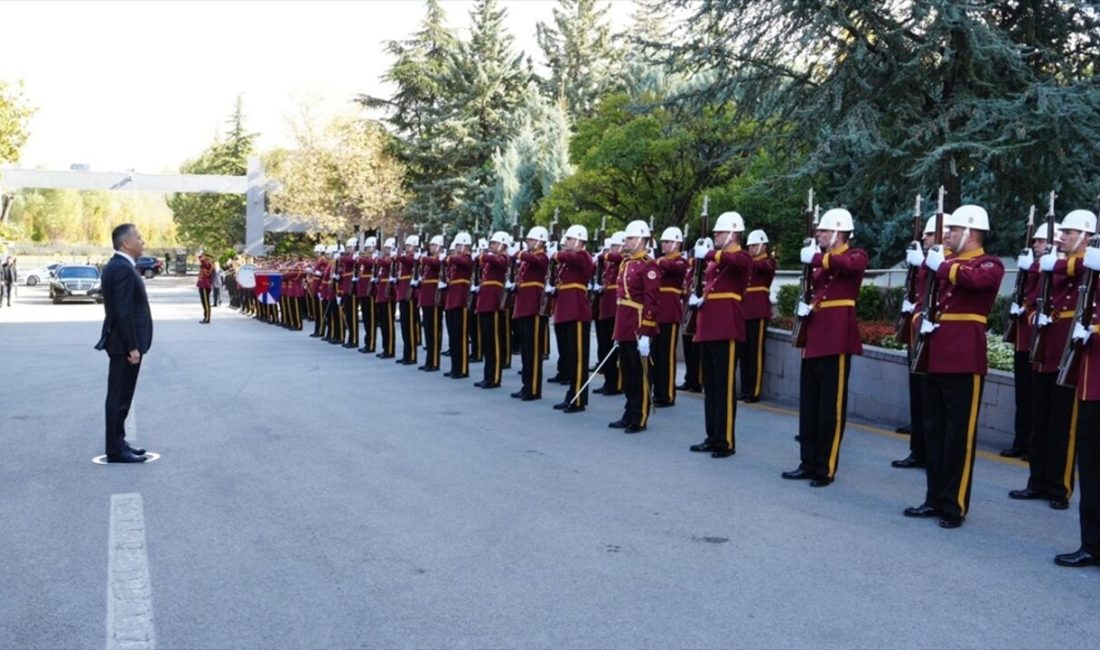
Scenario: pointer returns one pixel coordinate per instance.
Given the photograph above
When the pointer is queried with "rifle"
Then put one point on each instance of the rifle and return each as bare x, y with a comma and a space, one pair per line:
395, 268
1044, 304
507, 298
597, 275
806, 289
919, 363
1086, 304
1019, 294
546, 304
475, 254
688, 323
905, 321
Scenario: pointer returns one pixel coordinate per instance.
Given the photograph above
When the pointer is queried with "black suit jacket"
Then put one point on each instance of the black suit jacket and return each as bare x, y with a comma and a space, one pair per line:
128, 324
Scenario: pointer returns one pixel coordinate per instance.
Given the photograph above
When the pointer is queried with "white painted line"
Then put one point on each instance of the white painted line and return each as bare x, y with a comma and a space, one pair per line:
129, 591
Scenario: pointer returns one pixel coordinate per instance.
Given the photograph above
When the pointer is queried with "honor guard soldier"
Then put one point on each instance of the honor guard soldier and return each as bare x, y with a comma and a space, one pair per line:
719, 326
1024, 314
364, 293
509, 250
333, 298
757, 308
384, 267
430, 268
531, 282
405, 298
345, 287
493, 265
317, 290
638, 287
969, 280
295, 293
605, 321
477, 352
693, 368
672, 266
914, 258
832, 337
1055, 423
1088, 427
205, 283
459, 270
573, 317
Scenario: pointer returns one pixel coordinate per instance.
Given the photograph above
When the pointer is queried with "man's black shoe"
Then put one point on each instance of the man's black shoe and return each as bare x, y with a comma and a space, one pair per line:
519, 394
662, 404
572, 409
561, 406
362, 350
722, 453
751, 400
611, 393
480, 384
136, 452
702, 446
922, 511
1059, 504
314, 336
125, 457
634, 428
821, 482
556, 380
349, 346
432, 369
476, 359
617, 424
798, 475
530, 398
384, 356
907, 462
422, 367
903, 429
1014, 452
491, 386
1077, 559
1026, 494
334, 342
950, 521
462, 376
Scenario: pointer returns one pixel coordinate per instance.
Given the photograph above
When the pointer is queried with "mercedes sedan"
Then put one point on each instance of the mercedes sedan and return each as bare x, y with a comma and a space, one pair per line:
75, 282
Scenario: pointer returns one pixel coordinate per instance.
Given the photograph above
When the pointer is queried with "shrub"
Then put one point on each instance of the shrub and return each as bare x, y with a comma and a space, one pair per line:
873, 333
998, 316
869, 304
787, 300
999, 354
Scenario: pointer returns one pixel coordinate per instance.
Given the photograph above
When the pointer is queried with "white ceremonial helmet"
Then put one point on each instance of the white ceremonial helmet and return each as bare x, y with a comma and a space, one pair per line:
389, 243
1044, 232
1082, 220
331, 250
837, 219
370, 242
757, 237
930, 225
412, 240
319, 249
577, 232
352, 241
437, 240
672, 233
617, 238
463, 239
636, 228
499, 237
973, 217
538, 233
729, 222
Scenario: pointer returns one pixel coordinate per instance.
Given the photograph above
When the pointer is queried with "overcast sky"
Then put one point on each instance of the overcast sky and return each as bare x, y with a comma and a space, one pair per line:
146, 85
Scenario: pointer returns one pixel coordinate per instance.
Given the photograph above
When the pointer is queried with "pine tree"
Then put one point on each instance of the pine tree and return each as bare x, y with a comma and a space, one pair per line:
581, 55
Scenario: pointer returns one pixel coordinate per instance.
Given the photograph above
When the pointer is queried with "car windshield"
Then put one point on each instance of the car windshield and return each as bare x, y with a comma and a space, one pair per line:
78, 272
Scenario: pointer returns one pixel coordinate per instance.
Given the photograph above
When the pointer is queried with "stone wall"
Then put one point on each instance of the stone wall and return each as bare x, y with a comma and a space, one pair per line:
878, 389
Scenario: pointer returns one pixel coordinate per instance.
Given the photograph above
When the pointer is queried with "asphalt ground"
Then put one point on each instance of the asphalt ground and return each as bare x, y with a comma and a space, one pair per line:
313, 497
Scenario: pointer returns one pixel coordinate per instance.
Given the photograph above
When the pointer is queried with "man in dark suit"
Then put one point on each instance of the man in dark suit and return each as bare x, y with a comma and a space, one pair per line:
127, 335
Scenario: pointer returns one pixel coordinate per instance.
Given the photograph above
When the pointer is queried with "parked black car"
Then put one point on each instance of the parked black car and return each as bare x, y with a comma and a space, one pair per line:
149, 266
75, 282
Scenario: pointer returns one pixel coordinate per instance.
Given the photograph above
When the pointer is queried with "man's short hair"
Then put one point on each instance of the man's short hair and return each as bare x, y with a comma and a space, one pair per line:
119, 233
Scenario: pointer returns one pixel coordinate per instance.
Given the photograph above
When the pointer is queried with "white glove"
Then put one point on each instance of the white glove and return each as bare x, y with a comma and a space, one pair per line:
1043, 320
597, 288
317, 273
1015, 310
513, 248
355, 255
1092, 258
552, 248
474, 288
414, 283
1081, 333
803, 310
442, 284
510, 285
374, 280
694, 300
643, 346
927, 327
935, 258
339, 299
1046, 262
701, 250
1025, 260
417, 255
442, 257
907, 307
807, 254
914, 257
550, 290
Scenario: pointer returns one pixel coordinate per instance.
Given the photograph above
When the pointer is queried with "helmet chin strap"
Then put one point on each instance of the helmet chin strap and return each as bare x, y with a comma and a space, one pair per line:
962, 240
832, 240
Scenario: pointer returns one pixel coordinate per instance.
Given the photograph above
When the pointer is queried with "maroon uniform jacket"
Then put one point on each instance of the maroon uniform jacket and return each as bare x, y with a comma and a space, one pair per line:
429, 279
638, 286
1025, 322
1088, 374
670, 307
831, 328
460, 268
530, 282
494, 266
320, 278
1067, 274
721, 316
292, 281
968, 286
382, 268
365, 268
758, 302
575, 270
206, 274
405, 265
611, 263
345, 266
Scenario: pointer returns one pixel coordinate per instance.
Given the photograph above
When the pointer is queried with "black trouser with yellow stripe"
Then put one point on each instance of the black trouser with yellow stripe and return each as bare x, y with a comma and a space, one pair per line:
752, 357
720, 393
916, 413
951, 406
635, 371
477, 348
612, 378
366, 310
1021, 374
822, 412
458, 341
663, 366
544, 336
530, 331
506, 342
204, 297
433, 341
296, 306
492, 340
1088, 463
408, 331
573, 354
351, 319
383, 317
693, 368
1053, 444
